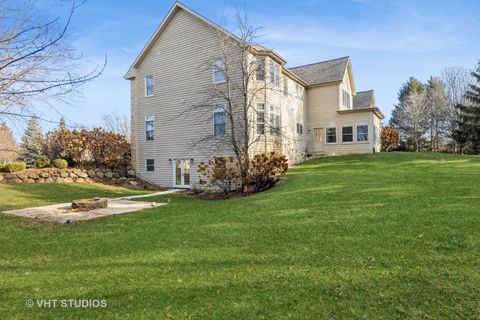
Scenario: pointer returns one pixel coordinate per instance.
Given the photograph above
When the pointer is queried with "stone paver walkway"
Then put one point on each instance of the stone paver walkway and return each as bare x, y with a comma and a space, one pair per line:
61, 212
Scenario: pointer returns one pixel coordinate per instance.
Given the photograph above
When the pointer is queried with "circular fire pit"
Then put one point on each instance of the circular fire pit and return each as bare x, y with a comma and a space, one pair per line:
89, 204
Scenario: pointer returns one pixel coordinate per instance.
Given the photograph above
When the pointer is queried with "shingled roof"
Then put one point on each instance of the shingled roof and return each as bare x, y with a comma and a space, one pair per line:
363, 99
322, 72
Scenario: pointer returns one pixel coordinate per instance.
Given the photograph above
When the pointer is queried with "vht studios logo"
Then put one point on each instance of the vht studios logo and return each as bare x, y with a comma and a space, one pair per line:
66, 303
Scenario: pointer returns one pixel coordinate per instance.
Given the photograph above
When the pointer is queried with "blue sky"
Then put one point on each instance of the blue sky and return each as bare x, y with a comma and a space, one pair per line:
388, 41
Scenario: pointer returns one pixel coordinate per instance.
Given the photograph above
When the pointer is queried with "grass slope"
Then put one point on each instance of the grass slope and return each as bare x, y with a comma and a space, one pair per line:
355, 237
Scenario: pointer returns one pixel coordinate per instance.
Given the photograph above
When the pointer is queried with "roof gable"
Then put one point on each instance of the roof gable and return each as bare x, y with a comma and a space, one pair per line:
163, 25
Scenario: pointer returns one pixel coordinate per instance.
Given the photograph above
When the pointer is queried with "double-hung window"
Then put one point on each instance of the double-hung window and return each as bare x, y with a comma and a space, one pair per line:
285, 86
362, 133
219, 121
331, 135
260, 118
275, 120
347, 134
274, 73
298, 91
149, 83
149, 127
218, 70
150, 165
260, 68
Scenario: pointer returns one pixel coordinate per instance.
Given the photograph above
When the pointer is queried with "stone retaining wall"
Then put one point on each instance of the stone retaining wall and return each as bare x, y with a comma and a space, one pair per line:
50, 175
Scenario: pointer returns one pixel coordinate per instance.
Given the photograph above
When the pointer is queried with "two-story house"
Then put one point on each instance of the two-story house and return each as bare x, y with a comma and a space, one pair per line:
307, 110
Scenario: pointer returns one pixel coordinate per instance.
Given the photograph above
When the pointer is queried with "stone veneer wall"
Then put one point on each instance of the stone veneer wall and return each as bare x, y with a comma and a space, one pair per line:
54, 175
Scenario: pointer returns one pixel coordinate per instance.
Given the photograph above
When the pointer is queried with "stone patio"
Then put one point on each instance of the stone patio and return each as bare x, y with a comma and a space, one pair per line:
61, 212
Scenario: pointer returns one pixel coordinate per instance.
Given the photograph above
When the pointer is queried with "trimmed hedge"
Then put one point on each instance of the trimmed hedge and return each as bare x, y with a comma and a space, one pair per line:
43, 162
60, 163
15, 167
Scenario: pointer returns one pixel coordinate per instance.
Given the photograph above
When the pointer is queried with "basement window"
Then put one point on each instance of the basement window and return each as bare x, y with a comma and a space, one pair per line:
150, 165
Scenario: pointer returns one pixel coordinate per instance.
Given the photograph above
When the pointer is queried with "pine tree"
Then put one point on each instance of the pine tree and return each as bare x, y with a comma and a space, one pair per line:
467, 134
32, 141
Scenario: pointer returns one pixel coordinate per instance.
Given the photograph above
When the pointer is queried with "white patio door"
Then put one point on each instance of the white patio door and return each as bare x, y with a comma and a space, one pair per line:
318, 140
181, 173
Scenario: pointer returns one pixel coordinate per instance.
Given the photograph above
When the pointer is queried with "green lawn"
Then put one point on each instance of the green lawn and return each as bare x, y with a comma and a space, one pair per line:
31, 195
357, 237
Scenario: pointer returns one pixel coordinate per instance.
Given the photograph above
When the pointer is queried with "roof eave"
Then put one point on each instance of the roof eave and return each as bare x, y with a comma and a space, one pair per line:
295, 77
269, 53
374, 110
315, 85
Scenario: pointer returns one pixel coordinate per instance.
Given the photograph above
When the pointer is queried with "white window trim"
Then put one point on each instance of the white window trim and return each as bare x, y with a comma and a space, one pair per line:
153, 85
264, 69
220, 106
278, 112
214, 70
336, 135
353, 133
265, 118
147, 120
368, 133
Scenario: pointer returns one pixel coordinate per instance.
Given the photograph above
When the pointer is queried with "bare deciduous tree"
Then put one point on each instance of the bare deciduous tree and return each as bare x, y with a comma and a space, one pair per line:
117, 123
412, 116
9, 149
437, 112
457, 80
231, 102
37, 64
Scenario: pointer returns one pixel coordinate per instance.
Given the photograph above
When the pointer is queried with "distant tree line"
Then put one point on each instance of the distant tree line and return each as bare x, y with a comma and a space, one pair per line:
78, 147
441, 115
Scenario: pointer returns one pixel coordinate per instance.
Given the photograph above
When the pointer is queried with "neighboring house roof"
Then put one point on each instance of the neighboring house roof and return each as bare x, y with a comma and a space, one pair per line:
322, 72
363, 99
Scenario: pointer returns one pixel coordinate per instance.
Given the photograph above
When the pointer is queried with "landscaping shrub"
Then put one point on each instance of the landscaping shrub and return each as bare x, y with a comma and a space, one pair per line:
266, 169
15, 166
262, 172
43, 162
390, 138
220, 172
60, 163
96, 146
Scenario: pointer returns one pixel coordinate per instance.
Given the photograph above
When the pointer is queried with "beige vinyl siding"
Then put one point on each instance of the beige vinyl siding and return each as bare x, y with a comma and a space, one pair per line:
323, 105
134, 120
178, 61
377, 124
